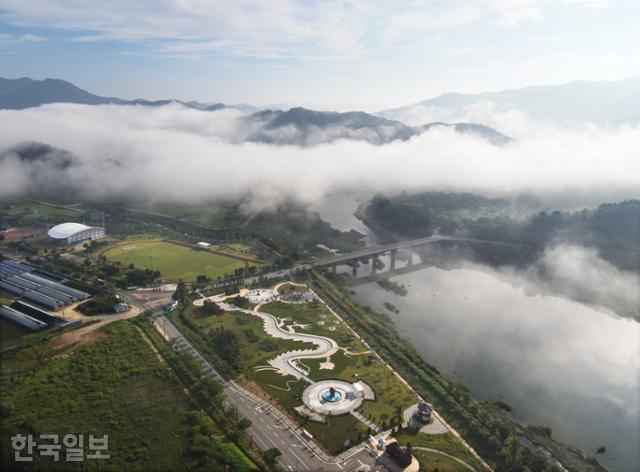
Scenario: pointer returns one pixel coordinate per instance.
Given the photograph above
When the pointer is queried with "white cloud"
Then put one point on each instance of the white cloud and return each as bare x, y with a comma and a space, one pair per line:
176, 153
275, 28
7, 40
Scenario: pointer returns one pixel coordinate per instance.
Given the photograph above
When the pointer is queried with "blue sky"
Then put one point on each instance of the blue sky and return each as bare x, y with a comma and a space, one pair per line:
367, 54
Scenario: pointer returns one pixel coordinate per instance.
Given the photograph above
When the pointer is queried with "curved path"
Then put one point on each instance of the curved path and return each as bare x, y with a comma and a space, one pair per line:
446, 454
287, 361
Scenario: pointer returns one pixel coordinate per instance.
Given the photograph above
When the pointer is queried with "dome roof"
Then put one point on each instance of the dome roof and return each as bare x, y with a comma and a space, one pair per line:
65, 230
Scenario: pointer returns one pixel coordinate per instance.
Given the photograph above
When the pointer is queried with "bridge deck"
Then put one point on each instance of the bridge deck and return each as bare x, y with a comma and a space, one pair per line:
377, 250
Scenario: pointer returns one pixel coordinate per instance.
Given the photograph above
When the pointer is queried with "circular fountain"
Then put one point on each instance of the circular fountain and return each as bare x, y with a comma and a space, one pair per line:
332, 395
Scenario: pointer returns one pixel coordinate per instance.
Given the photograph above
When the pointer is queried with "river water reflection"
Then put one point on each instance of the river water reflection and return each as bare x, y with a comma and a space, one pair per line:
556, 362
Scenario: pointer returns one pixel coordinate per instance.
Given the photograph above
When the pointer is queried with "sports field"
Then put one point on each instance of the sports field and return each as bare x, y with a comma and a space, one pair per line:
175, 262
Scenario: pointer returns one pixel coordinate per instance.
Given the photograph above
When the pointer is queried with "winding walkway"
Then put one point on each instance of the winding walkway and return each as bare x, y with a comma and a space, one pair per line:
442, 453
287, 362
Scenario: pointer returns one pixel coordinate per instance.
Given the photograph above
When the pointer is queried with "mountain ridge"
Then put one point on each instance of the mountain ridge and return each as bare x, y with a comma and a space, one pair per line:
581, 100
295, 126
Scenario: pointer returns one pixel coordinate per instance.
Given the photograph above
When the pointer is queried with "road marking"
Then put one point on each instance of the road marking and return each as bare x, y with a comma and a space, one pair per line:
260, 442
301, 461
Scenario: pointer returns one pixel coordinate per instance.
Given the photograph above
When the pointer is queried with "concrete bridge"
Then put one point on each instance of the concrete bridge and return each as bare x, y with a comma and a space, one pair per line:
392, 250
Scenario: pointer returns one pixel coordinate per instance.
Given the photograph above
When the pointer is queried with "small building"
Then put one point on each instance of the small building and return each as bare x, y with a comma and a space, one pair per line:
120, 307
399, 455
204, 245
423, 412
71, 233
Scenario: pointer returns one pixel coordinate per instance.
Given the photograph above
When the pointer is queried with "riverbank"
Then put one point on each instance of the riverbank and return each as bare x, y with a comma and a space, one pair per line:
491, 433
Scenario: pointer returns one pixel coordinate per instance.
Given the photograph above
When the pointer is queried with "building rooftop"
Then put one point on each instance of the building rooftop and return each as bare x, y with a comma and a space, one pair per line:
65, 230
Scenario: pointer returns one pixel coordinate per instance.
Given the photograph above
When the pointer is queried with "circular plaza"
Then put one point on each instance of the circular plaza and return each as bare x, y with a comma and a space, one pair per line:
332, 397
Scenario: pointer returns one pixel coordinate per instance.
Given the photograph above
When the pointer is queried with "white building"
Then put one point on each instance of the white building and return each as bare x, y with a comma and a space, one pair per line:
71, 233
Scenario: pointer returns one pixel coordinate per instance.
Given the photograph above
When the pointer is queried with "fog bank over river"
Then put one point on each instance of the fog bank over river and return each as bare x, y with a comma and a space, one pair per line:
555, 361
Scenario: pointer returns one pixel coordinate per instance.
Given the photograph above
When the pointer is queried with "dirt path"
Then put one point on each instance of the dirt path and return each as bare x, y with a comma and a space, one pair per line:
90, 332
151, 346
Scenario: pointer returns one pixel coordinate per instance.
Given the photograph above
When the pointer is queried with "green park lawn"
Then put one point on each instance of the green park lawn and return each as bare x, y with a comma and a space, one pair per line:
432, 462
173, 261
256, 346
317, 320
392, 396
44, 210
442, 442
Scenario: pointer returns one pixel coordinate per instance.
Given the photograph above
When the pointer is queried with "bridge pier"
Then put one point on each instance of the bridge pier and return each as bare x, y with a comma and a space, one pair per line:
410, 259
354, 269
374, 259
392, 255
334, 268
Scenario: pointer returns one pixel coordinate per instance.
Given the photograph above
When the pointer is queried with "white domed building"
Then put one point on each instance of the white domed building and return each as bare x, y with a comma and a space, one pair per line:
71, 233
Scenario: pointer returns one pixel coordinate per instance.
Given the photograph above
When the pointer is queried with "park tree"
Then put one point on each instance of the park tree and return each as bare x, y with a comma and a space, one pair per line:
211, 308
180, 295
244, 423
240, 302
271, 456
141, 277
226, 344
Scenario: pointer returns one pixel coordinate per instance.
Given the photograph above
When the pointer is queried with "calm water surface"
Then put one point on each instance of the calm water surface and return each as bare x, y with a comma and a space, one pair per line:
556, 362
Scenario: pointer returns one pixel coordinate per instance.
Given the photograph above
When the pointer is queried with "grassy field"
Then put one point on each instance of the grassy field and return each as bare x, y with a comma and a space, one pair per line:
115, 385
317, 319
256, 348
174, 261
216, 215
392, 396
443, 442
432, 462
40, 209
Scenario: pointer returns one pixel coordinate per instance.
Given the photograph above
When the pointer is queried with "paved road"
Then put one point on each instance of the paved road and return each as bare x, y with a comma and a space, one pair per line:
270, 428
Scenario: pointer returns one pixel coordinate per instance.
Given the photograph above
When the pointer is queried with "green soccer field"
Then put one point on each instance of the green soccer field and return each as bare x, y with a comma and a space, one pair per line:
175, 262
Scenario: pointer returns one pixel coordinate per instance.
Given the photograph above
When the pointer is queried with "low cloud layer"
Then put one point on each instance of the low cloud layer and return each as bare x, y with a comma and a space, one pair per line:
174, 153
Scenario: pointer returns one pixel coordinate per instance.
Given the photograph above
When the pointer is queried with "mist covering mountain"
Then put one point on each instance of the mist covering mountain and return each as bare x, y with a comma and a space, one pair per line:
578, 101
296, 126
305, 127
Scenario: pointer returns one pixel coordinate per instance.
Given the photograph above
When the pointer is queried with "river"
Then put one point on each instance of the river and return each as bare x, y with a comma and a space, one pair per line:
557, 362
